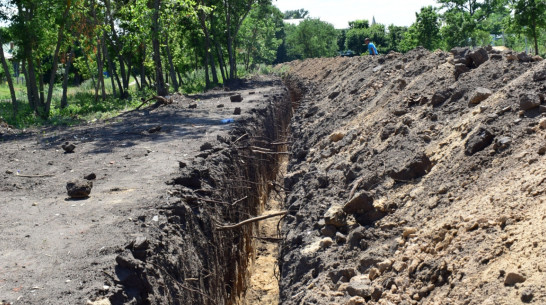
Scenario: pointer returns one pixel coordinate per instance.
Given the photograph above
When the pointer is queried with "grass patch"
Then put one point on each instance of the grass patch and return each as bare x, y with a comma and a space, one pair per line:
82, 106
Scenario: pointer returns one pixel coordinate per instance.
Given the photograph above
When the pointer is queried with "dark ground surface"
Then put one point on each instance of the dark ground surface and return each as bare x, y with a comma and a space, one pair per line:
56, 250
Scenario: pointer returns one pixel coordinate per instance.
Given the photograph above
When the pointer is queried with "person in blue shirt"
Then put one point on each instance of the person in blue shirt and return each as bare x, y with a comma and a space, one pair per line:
371, 47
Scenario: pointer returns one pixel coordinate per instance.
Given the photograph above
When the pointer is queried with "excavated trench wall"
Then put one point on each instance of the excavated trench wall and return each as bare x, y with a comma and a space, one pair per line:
190, 260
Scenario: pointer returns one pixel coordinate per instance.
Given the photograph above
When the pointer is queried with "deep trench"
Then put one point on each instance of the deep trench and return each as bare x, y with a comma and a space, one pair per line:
189, 260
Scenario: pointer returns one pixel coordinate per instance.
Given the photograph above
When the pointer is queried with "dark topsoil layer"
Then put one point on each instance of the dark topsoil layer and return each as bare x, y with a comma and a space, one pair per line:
416, 179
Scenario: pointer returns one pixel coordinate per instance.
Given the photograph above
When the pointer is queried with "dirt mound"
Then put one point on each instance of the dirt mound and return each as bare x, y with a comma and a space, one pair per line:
416, 179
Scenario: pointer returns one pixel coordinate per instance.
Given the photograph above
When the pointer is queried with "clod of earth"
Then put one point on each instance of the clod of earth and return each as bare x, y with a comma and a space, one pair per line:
79, 188
479, 95
91, 176
528, 101
513, 278
237, 98
68, 147
478, 141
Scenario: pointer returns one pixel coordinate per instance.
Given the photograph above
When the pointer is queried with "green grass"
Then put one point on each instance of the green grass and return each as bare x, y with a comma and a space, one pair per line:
82, 106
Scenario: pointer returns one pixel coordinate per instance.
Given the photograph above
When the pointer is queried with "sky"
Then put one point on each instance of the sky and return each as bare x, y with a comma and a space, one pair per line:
340, 12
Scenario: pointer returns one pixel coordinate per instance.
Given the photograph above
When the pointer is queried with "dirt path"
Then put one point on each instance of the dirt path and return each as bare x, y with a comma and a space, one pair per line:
54, 250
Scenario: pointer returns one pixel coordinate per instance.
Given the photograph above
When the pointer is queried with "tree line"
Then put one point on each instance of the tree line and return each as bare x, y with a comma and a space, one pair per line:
152, 42
458, 23
156, 43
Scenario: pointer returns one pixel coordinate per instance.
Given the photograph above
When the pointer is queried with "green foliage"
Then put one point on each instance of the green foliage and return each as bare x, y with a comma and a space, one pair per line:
311, 38
341, 38
258, 35
359, 24
464, 21
395, 36
424, 32
529, 17
359, 30
296, 14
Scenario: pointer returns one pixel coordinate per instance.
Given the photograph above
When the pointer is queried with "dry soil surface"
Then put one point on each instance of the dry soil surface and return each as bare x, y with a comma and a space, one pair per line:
57, 250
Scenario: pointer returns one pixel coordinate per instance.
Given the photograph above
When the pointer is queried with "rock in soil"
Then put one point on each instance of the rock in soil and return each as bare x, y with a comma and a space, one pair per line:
237, 98
79, 188
91, 176
513, 278
154, 129
68, 147
527, 295
478, 141
479, 95
528, 101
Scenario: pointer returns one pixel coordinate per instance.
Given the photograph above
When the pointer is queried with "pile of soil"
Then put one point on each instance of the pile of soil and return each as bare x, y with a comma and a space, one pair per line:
416, 179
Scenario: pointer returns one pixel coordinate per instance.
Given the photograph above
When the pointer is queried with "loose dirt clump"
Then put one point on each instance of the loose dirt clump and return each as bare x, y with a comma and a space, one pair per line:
416, 179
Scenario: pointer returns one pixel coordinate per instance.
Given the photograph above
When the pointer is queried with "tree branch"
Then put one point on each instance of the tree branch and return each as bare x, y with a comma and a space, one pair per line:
249, 221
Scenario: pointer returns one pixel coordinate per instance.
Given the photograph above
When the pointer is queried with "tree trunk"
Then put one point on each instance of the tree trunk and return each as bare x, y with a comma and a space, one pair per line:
180, 80
137, 82
232, 65
206, 66
215, 42
127, 72
10, 82
100, 76
90, 72
122, 93
117, 46
64, 99
41, 104
31, 100
221, 61
142, 66
535, 34
209, 59
159, 82
174, 81
110, 66
60, 37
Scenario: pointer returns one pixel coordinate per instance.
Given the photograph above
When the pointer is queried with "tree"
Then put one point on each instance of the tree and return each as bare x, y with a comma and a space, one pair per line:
311, 38
529, 18
462, 19
427, 28
395, 35
356, 34
235, 12
296, 14
6, 68
359, 30
258, 35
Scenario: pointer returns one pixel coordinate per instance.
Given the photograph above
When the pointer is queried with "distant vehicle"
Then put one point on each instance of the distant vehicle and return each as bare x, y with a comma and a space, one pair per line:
347, 53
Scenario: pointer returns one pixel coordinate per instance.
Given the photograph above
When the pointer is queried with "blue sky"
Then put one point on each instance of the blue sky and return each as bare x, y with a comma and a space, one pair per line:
340, 12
